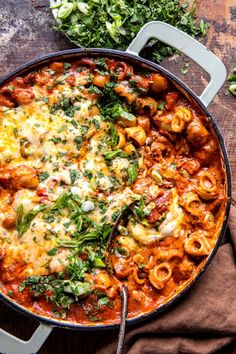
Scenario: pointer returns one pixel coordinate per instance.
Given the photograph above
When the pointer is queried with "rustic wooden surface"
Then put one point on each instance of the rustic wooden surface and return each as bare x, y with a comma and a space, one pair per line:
26, 32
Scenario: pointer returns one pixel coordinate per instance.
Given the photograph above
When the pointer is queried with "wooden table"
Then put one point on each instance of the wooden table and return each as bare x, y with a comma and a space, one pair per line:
26, 32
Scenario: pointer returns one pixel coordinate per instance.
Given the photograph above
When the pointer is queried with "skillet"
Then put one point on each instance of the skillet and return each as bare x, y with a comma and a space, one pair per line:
215, 68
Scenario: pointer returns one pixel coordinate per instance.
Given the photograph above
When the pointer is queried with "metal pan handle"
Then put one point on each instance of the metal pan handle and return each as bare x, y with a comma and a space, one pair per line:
10, 344
189, 46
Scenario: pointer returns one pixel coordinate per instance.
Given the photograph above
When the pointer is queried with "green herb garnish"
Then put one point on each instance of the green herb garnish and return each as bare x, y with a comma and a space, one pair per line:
110, 155
232, 79
43, 176
16, 132
132, 173
23, 222
114, 24
113, 135
52, 251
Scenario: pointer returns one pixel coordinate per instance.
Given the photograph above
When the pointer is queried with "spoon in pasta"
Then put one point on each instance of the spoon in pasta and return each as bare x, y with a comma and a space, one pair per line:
124, 290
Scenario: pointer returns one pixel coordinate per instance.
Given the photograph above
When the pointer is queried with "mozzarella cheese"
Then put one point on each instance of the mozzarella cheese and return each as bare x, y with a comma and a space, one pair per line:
171, 226
67, 152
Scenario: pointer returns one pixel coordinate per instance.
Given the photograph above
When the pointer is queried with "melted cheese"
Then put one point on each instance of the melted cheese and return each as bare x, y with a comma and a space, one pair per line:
59, 147
171, 226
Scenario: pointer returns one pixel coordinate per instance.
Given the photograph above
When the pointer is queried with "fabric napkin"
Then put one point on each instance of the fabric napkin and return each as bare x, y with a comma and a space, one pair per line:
203, 322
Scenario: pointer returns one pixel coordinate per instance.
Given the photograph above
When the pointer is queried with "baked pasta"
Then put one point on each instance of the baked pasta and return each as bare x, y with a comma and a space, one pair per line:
80, 141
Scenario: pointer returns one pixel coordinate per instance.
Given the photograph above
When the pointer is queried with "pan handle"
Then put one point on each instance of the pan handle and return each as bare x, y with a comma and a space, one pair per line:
10, 344
189, 46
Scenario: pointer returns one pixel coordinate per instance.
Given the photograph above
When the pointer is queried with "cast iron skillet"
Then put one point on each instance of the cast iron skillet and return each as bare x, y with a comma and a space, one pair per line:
208, 61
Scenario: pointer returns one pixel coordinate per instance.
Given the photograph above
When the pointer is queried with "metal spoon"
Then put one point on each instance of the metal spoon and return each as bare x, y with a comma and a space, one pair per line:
124, 312
124, 290
121, 217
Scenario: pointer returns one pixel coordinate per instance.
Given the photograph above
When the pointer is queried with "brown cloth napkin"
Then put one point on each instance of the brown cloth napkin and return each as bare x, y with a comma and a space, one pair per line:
203, 322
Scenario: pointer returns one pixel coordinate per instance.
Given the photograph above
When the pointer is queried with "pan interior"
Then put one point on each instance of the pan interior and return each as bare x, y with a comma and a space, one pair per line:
75, 54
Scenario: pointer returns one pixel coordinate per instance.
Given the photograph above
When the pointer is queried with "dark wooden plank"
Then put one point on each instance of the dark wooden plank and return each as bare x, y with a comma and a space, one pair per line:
26, 32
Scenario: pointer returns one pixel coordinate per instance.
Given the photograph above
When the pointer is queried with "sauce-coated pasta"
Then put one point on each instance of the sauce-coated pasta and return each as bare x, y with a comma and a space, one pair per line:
79, 142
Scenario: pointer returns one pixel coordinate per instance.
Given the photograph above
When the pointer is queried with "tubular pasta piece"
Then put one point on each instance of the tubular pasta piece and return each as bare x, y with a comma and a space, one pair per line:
130, 149
177, 124
120, 69
24, 177
121, 141
169, 255
146, 105
138, 258
137, 133
10, 217
57, 66
87, 62
197, 134
158, 83
102, 281
191, 203
144, 122
124, 90
207, 188
164, 121
208, 222
183, 113
160, 275
136, 278
180, 118
197, 244
100, 80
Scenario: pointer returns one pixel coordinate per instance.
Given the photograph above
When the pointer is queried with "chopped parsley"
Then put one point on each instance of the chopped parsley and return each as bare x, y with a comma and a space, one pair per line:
43, 176
78, 142
65, 105
114, 24
94, 89
67, 65
52, 251
103, 301
64, 292
74, 175
16, 132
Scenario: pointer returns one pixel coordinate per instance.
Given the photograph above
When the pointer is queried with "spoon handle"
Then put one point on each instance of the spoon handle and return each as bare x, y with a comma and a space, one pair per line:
124, 311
